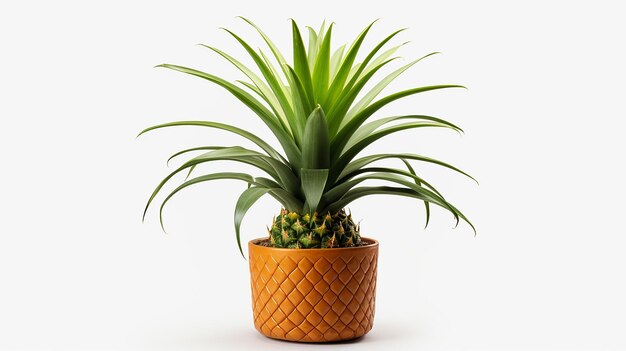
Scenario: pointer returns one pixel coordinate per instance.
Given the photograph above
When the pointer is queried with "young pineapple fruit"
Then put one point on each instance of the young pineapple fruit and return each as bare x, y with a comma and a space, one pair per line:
294, 230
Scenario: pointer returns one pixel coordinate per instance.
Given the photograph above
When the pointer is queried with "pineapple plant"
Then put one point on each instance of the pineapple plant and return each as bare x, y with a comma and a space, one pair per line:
317, 108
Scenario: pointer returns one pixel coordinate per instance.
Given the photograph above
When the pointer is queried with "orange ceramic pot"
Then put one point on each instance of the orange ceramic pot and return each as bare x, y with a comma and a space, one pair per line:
313, 295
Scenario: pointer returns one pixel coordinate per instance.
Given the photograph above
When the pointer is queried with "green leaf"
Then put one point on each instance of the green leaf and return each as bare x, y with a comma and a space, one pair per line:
321, 69
365, 141
190, 171
205, 178
315, 43
312, 52
301, 101
338, 111
369, 128
418, 183
427, 194
321, 33
364, 161
344, 184
279, 56
313, 183
300, 62
272, 167
284, 138
359, 192
245, 201
369, 57
286, 199
351, 75
315, 150
229, 128
265, 92
195, 149
237, 154
383, 57
266, 182
344, 134
411, 191
284, 108
253, 88
379, 87
279, 79
335, 61
342, 74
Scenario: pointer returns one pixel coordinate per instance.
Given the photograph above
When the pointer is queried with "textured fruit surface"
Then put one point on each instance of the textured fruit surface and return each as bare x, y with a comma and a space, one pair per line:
313, 295
294, 230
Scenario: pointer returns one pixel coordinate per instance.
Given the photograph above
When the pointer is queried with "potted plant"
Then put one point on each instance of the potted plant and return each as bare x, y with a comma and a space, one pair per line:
313, 276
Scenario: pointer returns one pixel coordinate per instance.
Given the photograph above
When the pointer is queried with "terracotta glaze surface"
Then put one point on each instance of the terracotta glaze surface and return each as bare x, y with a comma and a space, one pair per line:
313, 295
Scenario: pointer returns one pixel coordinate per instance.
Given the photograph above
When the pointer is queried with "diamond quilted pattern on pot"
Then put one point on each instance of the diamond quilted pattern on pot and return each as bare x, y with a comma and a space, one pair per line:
304, 286
313, 276
313, 295
353, 265
345, 276
322, 308
322, 265
330, 276
313, 299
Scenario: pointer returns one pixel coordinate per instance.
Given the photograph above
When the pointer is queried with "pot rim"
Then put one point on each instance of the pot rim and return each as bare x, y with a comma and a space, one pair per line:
372, 244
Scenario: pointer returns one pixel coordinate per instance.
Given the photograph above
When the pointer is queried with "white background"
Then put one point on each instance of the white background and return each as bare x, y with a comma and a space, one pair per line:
543, 118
